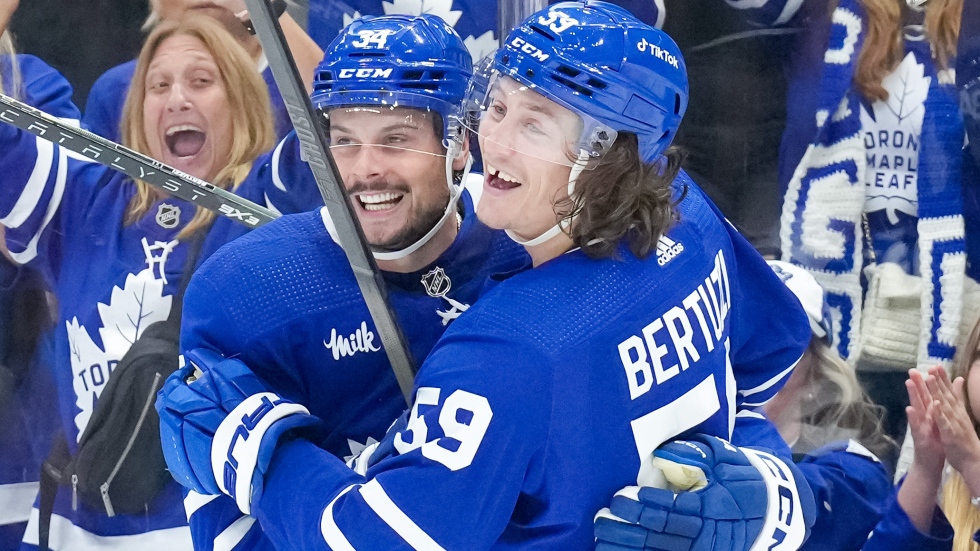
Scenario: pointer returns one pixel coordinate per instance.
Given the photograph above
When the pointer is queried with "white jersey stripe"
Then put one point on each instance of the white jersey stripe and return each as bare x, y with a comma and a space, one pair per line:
30, 252
29, 198
768, 384
16, 501
194, 501
376, 498
328, 526
276, 179
67, 536
233, 535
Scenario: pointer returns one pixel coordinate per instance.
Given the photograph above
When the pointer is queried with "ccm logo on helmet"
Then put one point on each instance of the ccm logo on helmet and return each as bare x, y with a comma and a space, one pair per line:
658, 52
528, 49
365, 73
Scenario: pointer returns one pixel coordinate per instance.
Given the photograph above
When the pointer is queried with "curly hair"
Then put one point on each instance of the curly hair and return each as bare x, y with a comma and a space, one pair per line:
623, 197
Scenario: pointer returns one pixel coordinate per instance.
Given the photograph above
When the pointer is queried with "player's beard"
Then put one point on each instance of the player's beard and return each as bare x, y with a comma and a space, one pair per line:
422, 222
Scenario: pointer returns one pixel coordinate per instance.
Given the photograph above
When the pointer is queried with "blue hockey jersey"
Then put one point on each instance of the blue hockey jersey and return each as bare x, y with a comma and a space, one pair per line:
104, 107
65, 218
284, 300
543, 399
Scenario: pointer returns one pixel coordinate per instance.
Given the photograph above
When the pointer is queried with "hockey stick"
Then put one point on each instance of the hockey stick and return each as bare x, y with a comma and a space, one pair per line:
133, 164
511, 13
313, 144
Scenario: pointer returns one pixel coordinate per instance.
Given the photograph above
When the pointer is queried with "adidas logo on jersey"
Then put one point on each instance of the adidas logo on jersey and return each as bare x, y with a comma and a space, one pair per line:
667, 249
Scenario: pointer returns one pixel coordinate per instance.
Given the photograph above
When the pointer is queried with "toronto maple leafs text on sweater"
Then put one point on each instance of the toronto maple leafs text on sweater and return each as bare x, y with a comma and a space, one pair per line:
891, 130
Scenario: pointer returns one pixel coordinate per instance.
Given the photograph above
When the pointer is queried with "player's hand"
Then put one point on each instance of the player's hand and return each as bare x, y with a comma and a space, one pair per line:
219, 426
712, 496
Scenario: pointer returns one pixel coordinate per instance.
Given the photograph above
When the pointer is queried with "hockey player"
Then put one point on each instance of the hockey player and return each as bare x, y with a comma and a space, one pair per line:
551, 392
113, 250
307, 331
104, 108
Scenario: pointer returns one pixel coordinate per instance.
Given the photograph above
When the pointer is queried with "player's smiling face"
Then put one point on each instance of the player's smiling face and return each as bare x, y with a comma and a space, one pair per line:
394, 167
525, 141
187, 118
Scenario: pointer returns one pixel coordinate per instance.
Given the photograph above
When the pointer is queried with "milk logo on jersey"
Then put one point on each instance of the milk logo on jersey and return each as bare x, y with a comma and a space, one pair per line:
130, 310
892, 133
667, 250
168, 216
345, 346
437, 284
372, 38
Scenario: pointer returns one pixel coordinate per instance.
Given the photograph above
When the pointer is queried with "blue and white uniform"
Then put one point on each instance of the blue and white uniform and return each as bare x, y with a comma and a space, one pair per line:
65, 218
104, 108
542, 400
299, 322
29, 425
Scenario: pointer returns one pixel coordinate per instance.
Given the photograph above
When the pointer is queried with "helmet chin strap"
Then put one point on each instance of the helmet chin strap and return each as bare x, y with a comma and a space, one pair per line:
564, 223
455, 191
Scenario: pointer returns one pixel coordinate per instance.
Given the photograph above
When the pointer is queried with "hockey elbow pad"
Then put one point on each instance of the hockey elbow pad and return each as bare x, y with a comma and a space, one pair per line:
708, 495
219, 426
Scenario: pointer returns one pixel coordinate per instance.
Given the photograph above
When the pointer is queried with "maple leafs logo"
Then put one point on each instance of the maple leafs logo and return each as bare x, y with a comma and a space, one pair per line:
482, 46
130, 311
442, 8
891, 139
348, 19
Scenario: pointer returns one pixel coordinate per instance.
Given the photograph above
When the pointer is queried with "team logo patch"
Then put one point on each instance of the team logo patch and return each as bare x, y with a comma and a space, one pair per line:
667, 250
168, 216
437, 283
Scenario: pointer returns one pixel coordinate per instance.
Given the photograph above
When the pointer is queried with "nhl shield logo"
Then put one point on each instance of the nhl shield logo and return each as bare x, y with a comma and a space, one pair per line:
436, 283
168, 216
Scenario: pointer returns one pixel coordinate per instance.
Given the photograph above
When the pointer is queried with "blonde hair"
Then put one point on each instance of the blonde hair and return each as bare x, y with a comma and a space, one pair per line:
839, 400
248, 98
962, 515
883, 45
12, 88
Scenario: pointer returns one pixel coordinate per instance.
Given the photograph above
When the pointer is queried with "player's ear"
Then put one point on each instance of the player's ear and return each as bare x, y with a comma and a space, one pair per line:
463, 152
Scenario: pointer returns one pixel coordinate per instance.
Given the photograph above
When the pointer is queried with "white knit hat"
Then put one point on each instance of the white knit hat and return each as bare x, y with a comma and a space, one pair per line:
809, 293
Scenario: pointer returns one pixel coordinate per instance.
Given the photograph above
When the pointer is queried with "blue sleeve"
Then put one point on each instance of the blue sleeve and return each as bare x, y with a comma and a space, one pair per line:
770, 330
895, 532
285, 179
217, 523
103, 110
851, 489
435, 493
36, 172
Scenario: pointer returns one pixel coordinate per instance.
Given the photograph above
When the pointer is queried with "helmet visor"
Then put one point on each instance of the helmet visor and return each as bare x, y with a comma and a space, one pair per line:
508, 114
386, 131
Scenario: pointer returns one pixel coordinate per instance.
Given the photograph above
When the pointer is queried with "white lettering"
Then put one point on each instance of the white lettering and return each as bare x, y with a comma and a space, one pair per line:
682, 340
657, 352
635, 368
361, 340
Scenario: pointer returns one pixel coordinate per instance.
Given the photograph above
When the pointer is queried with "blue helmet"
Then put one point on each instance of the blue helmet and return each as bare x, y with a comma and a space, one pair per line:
397, 61
598, 60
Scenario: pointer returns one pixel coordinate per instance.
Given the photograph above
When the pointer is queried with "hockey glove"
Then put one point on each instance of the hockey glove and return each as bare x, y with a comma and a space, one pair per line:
709, 495
219, 430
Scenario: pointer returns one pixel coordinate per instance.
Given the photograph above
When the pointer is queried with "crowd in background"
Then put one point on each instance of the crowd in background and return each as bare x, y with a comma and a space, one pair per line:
839, 136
